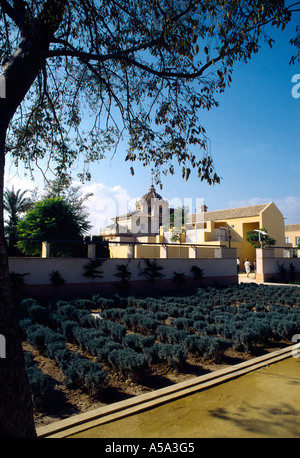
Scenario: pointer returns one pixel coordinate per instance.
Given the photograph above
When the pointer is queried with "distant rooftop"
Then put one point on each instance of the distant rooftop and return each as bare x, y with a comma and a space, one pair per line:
292, 227
231, 213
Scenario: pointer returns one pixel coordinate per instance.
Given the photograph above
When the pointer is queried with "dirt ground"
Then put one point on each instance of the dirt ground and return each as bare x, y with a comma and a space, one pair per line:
61, 402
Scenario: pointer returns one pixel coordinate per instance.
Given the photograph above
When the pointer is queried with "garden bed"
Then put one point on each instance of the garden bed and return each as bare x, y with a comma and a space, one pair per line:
77, 361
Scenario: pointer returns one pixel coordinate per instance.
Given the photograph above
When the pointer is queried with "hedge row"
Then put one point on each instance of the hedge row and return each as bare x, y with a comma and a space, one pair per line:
79, 372
204, 324
247, 315
131, 357
102, 337
37, 381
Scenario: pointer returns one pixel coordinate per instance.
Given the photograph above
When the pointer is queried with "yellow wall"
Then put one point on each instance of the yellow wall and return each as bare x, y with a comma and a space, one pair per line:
209, 233
292, 234
119, 251
205, 252
238, 229
178, 252
147, 251
273, 221
247, 250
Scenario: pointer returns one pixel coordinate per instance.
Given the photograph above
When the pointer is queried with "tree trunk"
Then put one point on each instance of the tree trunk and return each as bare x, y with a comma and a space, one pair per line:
20, 72
16, 411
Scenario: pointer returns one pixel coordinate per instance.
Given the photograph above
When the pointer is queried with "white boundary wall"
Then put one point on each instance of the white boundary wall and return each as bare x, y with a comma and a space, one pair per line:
72, 269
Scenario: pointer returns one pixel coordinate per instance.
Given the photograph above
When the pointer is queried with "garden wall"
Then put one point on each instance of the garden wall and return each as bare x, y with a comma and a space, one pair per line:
217, 271
272, 268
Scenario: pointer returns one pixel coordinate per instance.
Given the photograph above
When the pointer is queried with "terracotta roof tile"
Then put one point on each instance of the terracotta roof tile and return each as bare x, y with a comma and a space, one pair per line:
231, 213
292, 227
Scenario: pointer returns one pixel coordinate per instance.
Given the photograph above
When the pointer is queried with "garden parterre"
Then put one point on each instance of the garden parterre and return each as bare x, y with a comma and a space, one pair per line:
134, 334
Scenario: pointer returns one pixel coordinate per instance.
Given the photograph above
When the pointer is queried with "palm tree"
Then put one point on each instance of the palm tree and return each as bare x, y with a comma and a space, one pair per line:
15, 203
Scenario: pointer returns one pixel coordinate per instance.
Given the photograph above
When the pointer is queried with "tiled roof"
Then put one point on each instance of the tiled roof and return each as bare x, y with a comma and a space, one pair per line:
151, 194
292, 227
231, 213
128, 215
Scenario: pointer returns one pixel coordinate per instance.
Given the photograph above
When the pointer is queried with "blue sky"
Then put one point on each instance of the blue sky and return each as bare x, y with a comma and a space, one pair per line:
254, 136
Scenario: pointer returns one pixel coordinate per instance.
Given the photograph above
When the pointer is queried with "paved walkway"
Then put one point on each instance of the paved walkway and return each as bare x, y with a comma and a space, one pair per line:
244, 279
262, 403
251, 279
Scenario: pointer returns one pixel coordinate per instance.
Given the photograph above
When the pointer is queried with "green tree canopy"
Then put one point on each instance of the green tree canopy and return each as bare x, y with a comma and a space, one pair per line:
71, 194
52, 219
253, 238
15, 204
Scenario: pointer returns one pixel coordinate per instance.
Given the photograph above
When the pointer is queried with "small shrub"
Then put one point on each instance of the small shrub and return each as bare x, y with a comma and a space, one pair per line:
152, 270
83, 304
129, 363
137, 342
38, 385
179, 278
123, 273
182, 323
84, 374
167, 334
37, 381
91, 269
114, 314
102, 302
172, 355
56, 278
38, 313
197, 272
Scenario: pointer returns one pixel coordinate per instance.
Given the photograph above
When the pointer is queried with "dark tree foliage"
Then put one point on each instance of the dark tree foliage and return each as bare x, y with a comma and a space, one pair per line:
257, 240
52, 219
144, 68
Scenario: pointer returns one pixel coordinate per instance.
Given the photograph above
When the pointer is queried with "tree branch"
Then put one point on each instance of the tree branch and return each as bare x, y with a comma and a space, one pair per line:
16, 12
73, 52
122, 55
170, 74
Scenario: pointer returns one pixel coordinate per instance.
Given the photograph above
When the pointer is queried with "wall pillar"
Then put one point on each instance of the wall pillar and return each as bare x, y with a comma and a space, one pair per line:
46, 250
91, 251
287, 253
261, 256
225, 253
218, 253
192, 252
131, 251
163, 252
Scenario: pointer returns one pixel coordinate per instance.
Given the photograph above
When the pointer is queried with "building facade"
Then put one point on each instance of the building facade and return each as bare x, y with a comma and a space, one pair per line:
292, 234
206, 229
229, 227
